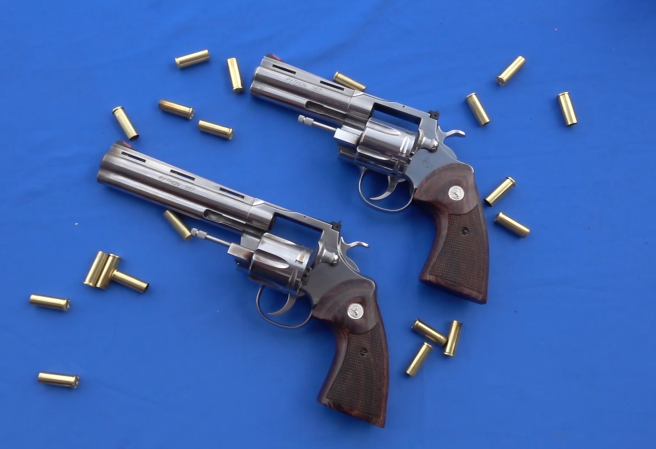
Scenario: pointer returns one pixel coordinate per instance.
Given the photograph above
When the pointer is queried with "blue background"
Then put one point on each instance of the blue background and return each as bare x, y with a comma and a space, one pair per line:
561, 356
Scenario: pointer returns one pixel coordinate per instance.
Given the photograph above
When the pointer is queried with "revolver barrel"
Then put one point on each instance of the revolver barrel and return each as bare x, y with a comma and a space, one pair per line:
188, 194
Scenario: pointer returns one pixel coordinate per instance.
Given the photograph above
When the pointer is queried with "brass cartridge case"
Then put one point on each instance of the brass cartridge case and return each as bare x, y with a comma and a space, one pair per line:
567, 109
51, 302
178, 224
429, 332
192, 59
511, 70
418, 360
477, 108
129, 281
217, 130
126, 124
452, 341
500, 191
103, 271
235, 76
508, 223
60, 380
96, 268
177, 109
348, 82
108, 271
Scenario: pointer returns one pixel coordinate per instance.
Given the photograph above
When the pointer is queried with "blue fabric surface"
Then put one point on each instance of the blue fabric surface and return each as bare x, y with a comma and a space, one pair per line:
561, 356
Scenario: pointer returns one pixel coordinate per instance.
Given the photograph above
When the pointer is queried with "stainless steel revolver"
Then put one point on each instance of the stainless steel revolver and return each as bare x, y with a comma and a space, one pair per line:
357, 382
369, 135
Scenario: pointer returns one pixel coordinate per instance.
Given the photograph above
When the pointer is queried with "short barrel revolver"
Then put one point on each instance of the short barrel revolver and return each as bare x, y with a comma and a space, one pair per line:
413, 152
358, 378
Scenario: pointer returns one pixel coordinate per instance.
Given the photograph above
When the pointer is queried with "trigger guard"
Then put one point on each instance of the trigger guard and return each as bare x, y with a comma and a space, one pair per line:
285, 326
410, 187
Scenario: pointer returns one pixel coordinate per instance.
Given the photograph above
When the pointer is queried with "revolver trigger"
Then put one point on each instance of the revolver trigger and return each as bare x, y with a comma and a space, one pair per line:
285, 308
291, 300
392, 182
364, 198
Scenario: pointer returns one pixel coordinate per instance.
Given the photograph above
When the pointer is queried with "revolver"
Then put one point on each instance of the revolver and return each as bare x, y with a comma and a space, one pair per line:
413, 152
339, 295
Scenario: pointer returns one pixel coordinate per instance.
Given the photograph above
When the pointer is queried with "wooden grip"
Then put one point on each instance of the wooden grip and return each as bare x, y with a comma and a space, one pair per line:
459, 259
358, 379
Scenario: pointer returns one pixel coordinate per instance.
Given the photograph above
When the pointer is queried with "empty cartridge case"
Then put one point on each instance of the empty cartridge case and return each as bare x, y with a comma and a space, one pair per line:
348, 82
217, 130
177, 109
60, 380
126, 124
477, 108
508, 223
235, 76
51, 302
96, 268
416, 363
103, 271
500, 191
192, 59
429, 332
567, 109
452, 340
178, 224
510, 70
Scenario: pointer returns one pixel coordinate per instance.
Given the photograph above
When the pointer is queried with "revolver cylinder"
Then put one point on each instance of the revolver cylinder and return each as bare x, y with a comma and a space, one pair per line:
280, 264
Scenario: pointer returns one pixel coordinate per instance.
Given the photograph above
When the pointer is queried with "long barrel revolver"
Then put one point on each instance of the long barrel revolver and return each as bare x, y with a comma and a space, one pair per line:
413, 152
357, 382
